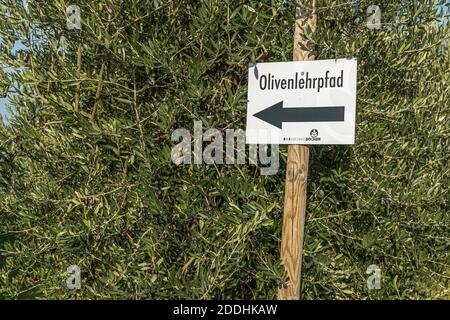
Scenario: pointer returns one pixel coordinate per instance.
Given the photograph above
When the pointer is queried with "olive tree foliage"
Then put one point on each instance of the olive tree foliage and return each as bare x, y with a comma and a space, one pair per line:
86, 176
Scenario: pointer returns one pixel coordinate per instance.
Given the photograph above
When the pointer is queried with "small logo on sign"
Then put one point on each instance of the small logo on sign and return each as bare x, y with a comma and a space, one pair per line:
314, 135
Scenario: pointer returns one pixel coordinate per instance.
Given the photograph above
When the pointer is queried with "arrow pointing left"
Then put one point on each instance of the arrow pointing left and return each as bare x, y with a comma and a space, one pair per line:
276, 114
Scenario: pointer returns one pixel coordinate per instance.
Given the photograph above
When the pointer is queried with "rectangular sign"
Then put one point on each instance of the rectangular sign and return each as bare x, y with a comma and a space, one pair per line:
302, 102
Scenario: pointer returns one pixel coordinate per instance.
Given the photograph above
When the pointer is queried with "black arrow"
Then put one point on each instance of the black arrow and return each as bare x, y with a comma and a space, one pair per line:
276, 114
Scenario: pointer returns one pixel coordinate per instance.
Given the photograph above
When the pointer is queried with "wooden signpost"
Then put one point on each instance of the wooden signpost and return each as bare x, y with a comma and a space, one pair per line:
296, 179
299, 103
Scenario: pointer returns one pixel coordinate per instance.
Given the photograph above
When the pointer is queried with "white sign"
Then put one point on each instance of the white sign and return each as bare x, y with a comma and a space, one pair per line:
302, 102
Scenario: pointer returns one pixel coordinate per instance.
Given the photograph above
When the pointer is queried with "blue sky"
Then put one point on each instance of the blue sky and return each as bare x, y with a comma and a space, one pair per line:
4, 101
4, 112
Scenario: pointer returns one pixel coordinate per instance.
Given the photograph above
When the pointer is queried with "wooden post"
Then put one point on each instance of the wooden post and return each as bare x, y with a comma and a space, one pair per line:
296, 179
